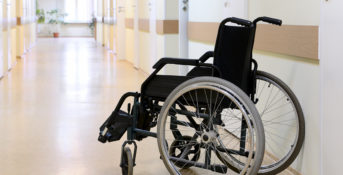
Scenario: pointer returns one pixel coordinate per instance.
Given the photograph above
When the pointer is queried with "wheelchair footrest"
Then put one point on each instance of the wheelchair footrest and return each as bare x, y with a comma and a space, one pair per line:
116, 129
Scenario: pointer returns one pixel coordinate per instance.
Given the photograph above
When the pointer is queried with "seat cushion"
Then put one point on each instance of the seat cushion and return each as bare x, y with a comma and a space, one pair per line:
162, 85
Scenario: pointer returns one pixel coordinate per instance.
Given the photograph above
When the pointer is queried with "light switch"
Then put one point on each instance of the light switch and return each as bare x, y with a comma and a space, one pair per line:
227, 4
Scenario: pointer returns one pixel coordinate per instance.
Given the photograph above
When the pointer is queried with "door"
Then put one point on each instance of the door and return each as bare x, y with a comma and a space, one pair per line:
9, 35
120, 35
183, 33
1, 42
14, 33
136, 34
6, 36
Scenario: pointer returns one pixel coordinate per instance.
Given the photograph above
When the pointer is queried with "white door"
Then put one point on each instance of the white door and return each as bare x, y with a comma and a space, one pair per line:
6, 37
153, 34
136, 34
120, 36
9, 44
1, 41
183, 33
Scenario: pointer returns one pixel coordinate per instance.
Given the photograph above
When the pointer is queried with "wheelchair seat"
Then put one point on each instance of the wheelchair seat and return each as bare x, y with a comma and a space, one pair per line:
161, 85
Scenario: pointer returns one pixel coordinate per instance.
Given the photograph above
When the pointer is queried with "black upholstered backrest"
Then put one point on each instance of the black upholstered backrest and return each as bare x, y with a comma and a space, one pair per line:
232, 54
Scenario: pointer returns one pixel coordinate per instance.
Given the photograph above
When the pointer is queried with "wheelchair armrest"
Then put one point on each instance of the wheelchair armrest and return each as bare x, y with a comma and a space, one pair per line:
163, 61
206, 56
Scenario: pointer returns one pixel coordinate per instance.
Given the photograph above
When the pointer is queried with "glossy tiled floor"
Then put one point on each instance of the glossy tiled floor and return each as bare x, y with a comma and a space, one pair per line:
52, 104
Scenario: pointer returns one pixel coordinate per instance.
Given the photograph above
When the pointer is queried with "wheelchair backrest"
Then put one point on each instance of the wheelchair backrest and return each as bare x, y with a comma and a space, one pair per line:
233, 52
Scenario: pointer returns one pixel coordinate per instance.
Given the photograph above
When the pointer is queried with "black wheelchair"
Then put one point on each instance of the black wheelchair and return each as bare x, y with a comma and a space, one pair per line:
220, 116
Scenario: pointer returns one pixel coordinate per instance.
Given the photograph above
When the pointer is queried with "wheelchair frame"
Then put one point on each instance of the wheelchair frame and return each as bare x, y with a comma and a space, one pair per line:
147, 108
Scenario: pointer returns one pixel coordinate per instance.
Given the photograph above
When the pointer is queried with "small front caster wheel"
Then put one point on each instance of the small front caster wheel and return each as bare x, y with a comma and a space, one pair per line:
127, 162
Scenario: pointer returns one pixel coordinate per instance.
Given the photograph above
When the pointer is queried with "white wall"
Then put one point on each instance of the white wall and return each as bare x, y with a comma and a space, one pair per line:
130, 41
302, 75
214, 11
144, 38
167, 44
294, 12
331, 37
48, 5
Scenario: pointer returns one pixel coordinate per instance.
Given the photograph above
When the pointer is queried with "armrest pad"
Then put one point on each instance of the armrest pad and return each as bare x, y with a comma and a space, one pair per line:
206, 56
163, 61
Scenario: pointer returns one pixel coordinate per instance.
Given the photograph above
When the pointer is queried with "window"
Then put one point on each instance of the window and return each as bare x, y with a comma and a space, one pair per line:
79, 11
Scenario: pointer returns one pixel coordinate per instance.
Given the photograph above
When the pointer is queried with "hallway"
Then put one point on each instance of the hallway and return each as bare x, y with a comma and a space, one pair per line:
52, 104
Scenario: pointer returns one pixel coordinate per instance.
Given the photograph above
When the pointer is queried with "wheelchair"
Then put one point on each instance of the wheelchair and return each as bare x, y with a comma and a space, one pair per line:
221, 117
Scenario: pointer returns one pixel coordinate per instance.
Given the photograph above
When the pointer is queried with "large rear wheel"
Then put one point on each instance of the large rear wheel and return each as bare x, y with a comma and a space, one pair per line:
214, 125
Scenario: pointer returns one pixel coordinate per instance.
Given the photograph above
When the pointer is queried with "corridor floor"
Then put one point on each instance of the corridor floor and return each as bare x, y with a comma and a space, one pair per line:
52, 104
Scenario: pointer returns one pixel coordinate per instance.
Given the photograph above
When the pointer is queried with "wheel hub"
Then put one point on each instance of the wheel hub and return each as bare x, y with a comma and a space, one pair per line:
209, 137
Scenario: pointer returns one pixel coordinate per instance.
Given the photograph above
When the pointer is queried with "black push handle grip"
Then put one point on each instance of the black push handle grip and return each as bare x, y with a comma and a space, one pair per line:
269, 20
239, 21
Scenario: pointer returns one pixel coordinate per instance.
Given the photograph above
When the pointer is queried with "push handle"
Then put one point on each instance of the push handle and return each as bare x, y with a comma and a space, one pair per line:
235, 20
239, 21
269, 20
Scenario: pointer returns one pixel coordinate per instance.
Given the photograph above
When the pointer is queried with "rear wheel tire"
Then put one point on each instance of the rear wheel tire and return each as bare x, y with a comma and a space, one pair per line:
283, 122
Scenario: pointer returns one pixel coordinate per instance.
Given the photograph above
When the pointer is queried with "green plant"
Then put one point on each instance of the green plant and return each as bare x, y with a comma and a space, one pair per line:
91, 25
56, 17
40, 15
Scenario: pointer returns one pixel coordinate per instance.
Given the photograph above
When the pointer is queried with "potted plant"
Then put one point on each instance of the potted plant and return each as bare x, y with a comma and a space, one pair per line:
56, 18
91, 25
40, 14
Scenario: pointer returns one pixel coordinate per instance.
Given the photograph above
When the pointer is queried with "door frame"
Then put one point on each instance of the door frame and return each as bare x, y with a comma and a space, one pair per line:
183, 33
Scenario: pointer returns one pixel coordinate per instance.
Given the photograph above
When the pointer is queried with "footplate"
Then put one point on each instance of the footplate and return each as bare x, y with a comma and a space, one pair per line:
115, 130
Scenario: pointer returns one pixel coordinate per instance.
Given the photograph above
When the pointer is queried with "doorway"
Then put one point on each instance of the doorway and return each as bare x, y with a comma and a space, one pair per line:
120, 33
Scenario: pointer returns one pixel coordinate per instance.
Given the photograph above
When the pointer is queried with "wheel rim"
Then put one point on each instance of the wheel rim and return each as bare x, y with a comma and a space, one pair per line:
280, 120
212, 131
